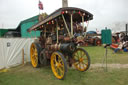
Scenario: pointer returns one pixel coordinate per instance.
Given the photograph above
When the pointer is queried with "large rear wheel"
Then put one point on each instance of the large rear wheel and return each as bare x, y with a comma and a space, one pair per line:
58, 65
43, 60
81, 59
34, 54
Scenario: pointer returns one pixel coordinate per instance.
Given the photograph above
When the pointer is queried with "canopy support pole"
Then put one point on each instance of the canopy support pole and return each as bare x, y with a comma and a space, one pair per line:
83, 22
57, 32
66, 26
87, 23
45, 33
71, 26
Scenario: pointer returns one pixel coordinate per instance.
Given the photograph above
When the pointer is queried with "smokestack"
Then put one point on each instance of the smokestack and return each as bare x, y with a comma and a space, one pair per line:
126, 29
64, 3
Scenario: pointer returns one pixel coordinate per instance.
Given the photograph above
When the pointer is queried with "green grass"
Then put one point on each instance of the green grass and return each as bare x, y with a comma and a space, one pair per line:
27, 75
97, 54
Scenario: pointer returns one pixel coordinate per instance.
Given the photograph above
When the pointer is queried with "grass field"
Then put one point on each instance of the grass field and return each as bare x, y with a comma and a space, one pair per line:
27, 75
97, 55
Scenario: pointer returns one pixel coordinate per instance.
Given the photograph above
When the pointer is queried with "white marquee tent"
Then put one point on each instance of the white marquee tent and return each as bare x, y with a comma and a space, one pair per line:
11, 51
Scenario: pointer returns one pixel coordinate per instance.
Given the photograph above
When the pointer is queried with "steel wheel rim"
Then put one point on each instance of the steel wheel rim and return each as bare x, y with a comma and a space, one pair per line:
57, 65
81, 60
34, 55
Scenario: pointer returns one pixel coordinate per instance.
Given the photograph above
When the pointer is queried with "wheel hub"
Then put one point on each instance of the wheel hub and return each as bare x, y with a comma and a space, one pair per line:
81, 59
58, 65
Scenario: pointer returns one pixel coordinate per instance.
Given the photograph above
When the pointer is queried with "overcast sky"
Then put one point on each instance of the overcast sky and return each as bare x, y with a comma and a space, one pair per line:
107, 13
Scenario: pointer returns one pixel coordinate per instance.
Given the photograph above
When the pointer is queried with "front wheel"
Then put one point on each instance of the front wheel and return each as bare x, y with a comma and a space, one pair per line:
58, 65
34, 54
81, 59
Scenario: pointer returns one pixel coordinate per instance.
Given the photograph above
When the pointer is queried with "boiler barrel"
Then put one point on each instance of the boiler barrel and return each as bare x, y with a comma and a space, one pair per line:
69, 47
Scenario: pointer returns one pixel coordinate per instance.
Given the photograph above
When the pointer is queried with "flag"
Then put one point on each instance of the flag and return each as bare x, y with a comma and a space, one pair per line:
40, 5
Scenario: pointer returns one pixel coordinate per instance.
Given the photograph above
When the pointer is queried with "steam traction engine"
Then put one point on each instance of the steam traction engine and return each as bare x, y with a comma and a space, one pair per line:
58, 45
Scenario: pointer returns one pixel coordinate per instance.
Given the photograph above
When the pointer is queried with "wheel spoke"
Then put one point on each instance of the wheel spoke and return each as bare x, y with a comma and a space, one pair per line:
83, 53
77, 64
35, 52
84, 65
59, 59
56, 69
76, 56
33, 55
80, 65
60, 62
61, 71
33, 49
85, 61
85, 58
55, 59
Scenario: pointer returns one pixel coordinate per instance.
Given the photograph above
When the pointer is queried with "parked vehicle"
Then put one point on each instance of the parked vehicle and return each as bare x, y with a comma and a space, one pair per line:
11, 34
92, 38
